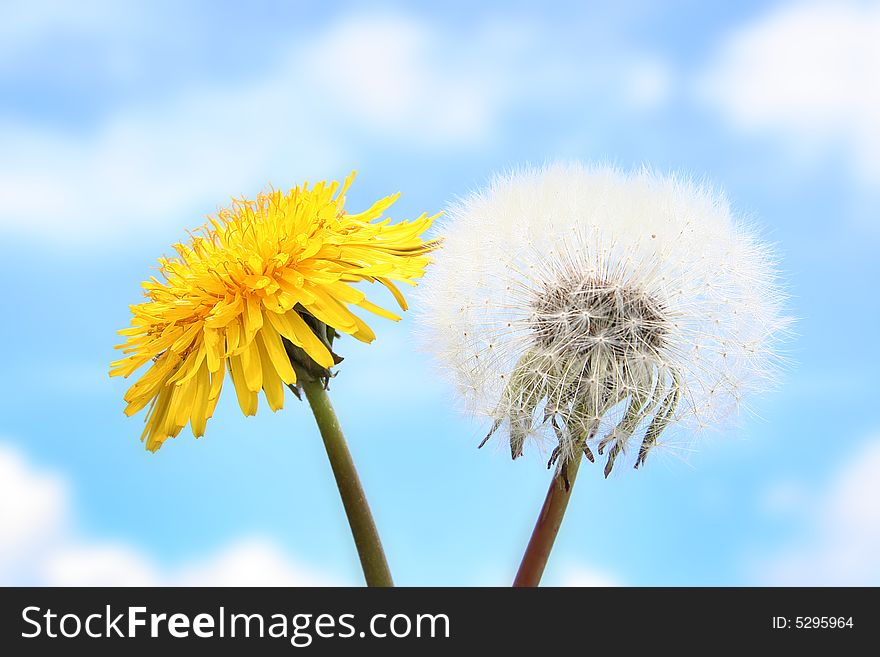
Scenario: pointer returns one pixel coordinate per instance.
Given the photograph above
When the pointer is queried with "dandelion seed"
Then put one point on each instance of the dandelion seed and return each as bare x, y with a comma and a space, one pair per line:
600, 309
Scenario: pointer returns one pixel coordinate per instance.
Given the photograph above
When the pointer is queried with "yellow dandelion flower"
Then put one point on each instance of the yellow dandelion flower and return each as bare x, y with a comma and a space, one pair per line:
255, 285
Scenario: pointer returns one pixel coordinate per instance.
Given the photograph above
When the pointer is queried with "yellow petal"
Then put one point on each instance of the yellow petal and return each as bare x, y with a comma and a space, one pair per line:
280, 360
253, 372
247, 400
273, 386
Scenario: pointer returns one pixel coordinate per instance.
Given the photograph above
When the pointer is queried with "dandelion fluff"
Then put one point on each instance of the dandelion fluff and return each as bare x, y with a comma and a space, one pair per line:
596, 309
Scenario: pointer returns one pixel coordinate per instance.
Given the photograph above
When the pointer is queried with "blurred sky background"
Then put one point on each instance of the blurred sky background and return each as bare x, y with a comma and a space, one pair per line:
124, 123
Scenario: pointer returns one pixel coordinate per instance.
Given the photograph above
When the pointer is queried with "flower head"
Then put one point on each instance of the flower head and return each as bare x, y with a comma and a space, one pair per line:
261, 289
596, 309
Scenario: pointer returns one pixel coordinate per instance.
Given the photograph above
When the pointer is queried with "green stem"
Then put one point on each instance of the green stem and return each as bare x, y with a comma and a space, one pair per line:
363, 528
547, 527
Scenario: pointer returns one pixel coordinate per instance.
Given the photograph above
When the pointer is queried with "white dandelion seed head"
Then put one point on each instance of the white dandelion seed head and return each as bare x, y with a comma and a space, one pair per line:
596, 309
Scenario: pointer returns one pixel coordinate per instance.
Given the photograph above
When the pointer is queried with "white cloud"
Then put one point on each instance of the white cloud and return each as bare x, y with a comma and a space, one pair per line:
39, 546
806, 72
246, 562
579, 575
840, 542
784, 497
24, 23
33, 509
102, 564
386, 71
251, 562
153, 165
648, 82
359, 81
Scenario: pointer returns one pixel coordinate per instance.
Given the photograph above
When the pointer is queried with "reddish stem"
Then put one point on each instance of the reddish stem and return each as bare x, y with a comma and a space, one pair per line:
547, 527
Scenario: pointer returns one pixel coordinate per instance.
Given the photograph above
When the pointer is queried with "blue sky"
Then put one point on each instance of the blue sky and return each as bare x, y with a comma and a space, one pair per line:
123, 125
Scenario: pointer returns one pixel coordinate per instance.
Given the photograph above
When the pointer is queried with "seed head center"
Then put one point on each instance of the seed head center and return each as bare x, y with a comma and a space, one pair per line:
576, 316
